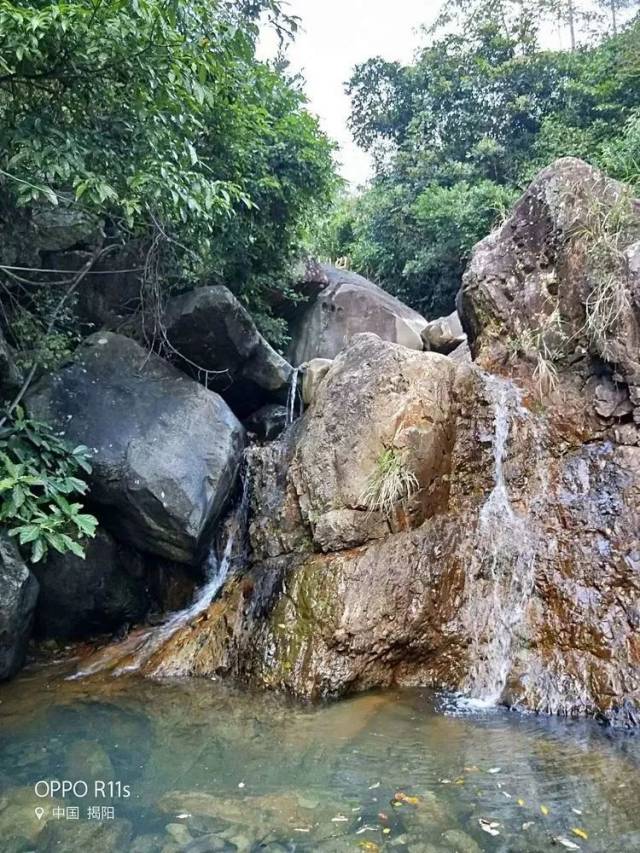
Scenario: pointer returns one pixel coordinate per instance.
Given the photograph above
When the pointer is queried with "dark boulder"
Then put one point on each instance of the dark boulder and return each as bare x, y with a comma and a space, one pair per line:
268, 421
9, 374
80, 598
165, 450
18, 594
348, 305
215, 339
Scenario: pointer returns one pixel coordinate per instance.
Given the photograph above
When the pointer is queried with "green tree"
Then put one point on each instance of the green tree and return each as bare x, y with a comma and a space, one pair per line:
156, 115
457, 135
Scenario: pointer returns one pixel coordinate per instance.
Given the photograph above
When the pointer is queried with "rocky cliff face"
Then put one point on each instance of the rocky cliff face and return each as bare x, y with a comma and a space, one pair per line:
429, 520
506, 564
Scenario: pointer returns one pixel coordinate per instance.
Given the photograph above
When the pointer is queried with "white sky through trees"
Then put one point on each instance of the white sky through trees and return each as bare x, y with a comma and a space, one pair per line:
336, 35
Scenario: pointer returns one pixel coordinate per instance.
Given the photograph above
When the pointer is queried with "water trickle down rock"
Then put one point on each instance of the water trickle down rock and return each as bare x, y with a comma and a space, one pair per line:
139, 648
294, 398
504, 563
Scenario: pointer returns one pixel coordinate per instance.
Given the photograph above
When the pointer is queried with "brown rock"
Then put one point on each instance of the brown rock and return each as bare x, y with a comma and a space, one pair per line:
347, 306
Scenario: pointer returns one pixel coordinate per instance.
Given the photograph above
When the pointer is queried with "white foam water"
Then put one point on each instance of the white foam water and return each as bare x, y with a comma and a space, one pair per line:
294, 398
504, 566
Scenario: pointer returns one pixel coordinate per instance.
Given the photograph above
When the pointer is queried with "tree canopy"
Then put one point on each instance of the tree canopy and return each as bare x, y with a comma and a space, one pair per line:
157, 115
457, 135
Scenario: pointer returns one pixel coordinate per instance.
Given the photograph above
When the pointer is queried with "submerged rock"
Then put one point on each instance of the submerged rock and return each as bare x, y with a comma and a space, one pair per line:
61, 836
18, 595
165, 451
214, 336
84, 597
347, 306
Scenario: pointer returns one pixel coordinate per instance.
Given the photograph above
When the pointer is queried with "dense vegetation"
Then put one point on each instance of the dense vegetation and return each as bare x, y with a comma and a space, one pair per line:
155, 120
157, 117
457, 136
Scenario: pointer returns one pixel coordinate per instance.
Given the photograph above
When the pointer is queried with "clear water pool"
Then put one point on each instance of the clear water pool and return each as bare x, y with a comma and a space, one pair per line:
213, 768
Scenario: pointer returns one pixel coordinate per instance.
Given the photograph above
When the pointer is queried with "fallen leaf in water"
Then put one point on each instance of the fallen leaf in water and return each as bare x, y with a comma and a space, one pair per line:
446, 781
566, 843
520, 802
383, 816
577, 811
579, 832
339, 819
472, 769
459, 781
508, 796
527, 824
370, 846
401, 797
494, 770
374, 786
490, 826
301, 829
544, 810
367, 828
386, 831
183, 815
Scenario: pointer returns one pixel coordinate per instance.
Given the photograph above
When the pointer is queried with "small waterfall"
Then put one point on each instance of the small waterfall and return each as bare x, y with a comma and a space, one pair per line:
294, 398
501, 576
217, 570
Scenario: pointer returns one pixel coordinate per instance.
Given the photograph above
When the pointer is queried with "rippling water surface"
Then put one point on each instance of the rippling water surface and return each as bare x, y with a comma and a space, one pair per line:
211, 768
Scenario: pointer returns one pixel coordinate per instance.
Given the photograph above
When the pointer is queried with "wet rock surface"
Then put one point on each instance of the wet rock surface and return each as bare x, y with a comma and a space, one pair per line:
18, 595
165, 451
518, 585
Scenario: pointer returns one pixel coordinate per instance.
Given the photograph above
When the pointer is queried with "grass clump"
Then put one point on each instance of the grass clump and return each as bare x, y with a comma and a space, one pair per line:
390, 481
606, 231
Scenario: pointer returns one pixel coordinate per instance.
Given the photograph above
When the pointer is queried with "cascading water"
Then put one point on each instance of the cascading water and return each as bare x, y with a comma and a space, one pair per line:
294, 399
504, 564
217, 571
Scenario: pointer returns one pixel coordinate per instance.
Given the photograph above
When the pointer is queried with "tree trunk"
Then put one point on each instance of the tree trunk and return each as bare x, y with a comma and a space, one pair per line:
614, 18
572, 23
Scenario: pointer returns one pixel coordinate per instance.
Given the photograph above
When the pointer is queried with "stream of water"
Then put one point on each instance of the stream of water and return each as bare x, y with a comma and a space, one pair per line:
504, 563
210, 768
136, 650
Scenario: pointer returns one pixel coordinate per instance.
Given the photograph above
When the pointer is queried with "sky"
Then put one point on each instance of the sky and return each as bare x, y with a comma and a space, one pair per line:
335, 36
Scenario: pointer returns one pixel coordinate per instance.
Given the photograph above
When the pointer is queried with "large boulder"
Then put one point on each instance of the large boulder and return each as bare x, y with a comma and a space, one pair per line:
348, 305
98, 594
379, 405
520, 586
557, 284
18, 595
165, 449
215, 339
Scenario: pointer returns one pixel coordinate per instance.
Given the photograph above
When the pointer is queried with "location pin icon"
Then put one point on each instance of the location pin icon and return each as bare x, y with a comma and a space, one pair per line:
39, 812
